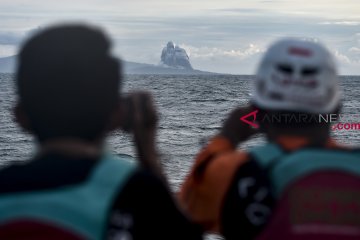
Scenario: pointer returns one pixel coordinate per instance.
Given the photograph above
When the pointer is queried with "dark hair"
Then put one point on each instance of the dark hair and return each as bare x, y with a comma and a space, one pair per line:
67, 82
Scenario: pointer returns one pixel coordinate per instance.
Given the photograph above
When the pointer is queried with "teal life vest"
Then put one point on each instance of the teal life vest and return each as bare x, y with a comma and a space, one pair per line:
317, 191
80, 209
285, 168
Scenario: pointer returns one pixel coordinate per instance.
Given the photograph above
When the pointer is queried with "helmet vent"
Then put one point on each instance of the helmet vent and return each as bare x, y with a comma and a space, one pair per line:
285, 68
309, 71
276, 96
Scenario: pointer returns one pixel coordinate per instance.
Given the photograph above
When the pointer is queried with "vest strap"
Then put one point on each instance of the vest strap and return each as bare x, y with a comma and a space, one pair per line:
266, 155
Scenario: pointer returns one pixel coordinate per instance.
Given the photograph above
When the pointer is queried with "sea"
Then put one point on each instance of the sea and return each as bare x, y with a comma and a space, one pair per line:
191, 109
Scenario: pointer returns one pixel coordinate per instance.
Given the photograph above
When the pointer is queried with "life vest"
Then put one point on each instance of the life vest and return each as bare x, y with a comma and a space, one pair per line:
317, 193
71, 212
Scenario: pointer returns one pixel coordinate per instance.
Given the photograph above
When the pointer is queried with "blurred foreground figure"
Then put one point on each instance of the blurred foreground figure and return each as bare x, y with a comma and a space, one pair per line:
301, 184
68, 88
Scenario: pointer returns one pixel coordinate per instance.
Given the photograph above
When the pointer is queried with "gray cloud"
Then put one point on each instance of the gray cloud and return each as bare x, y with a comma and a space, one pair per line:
10, 38
15, 37
221, 33
343, 23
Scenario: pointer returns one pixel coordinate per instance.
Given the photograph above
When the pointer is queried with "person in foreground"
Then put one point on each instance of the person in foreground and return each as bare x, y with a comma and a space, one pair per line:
299, 185
68, 98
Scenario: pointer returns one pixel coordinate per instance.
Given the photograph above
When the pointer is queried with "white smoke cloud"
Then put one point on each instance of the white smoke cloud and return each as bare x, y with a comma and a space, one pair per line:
355, 50
212, 52
241, 60
344, 23
342, 57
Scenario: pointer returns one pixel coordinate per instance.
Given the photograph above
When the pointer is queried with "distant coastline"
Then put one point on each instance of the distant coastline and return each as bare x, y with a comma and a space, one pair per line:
143, 68
8, 65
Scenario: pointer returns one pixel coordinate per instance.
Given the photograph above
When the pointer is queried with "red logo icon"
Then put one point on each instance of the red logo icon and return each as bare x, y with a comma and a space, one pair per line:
251, 123
302, 52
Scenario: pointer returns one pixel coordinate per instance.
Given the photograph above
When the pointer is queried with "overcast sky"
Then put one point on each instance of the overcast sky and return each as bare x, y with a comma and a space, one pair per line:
225, 36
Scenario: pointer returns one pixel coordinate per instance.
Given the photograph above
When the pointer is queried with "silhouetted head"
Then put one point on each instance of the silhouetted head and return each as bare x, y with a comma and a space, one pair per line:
296, 81
68, 83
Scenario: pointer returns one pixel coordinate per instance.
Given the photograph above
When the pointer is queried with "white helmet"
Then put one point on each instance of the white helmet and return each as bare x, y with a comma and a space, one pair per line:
297, 75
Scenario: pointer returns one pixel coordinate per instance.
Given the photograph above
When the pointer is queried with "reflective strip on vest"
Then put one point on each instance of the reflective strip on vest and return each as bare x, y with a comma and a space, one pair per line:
82, 208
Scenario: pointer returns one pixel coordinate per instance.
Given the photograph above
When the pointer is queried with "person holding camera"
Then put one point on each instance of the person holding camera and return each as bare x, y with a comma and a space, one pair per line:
68, 87
301, 184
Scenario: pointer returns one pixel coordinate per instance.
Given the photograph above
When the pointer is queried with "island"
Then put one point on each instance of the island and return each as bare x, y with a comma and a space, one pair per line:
173, 60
